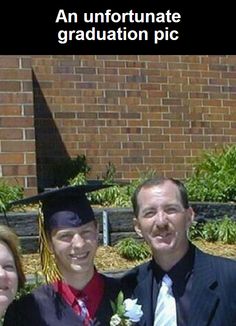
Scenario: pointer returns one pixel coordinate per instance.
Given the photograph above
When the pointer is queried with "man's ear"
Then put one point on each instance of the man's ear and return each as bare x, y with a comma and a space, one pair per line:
190, 216
137, 227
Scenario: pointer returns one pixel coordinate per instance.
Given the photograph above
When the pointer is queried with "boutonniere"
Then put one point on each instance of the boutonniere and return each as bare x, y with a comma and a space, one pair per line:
125, 311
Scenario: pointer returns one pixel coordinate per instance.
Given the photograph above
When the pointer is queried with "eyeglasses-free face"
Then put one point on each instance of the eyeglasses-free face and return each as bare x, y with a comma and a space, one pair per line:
8, 277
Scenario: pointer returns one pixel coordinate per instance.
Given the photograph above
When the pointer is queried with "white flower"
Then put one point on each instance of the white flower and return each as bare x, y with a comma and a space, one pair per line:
125, 311
115, 320
132, 310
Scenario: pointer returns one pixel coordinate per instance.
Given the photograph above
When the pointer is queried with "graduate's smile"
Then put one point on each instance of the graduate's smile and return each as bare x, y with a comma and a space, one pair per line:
79, 257
75, 248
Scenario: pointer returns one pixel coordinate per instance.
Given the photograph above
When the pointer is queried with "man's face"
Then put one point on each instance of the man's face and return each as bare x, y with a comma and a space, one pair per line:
75, 248
8, 277
162, 220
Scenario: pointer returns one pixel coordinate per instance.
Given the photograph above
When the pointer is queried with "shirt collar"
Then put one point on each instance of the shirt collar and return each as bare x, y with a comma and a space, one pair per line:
180, 272
92, 293
183, 267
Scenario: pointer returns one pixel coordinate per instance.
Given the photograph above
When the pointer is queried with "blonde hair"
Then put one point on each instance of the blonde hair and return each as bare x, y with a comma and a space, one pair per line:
9, 237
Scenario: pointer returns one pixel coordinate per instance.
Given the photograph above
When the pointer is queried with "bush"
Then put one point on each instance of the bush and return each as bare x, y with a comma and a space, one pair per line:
117, 195
69, 168
210, 231
111, 196
79, 179
214, 177
9, 193
223, 230
132, 249
227, 230
195, 231
30, 286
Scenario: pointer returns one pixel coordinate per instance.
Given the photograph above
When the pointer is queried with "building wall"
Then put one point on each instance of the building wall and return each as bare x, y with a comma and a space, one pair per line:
137, 112
17, 140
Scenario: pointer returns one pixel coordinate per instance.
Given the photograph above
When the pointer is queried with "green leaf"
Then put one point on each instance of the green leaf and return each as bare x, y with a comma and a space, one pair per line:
113, 305
121, 310
120, 298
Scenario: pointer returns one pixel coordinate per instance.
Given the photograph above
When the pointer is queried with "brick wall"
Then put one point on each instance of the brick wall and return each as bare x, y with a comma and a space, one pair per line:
138, 112
17, 143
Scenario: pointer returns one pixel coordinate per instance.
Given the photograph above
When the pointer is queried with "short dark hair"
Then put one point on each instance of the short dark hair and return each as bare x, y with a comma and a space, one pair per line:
156, 181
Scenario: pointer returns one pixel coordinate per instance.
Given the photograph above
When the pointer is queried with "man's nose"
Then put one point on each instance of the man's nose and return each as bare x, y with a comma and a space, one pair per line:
160, 218
77, 240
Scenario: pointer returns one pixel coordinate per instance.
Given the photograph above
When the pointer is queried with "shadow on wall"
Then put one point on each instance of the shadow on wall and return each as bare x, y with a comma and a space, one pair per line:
50, 148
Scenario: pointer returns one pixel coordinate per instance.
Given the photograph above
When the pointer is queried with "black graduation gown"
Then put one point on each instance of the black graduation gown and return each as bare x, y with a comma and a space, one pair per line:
45, 307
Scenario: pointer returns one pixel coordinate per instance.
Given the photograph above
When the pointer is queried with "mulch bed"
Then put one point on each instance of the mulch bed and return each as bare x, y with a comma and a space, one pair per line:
108, 259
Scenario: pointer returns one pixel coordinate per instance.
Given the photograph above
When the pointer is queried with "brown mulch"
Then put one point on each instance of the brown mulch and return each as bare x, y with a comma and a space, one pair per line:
217, 248
107, 258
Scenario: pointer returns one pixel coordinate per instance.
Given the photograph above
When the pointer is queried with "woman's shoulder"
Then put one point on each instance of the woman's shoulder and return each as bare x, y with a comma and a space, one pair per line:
30, 298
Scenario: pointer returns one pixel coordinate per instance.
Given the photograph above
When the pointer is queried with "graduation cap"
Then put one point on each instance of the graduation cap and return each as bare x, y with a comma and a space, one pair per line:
60, 208
64, 207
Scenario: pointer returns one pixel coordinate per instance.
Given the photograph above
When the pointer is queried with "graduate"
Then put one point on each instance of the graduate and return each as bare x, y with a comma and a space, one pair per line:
75, 293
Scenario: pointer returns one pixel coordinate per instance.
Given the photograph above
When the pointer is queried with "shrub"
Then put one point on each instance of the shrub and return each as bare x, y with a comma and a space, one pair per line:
111, 196
68, 168
195, 231
132, 249
214, 230
9, 193
227, 230
31, 285
214, 176
110, 173
118, 195
210, 231
79, 179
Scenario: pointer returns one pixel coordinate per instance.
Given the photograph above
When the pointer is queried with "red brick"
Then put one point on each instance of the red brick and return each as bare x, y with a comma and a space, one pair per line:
15, 180
115, 63
7, 133
10, 110
12, 158
26, 62
18, 170
10, 86
9, 62
15, 74
112, 79
18, 146
30, 158
16, 98
16, 122
31, 182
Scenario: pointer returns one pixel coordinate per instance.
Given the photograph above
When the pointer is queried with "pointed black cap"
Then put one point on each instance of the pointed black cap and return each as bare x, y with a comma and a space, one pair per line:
64, 207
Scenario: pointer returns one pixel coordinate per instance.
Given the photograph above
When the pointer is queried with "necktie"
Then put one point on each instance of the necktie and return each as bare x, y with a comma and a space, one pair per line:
84, 313
165, 313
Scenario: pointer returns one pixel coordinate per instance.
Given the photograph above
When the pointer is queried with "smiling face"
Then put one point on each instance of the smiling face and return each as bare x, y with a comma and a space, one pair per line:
74, 250
8, 277
163, 221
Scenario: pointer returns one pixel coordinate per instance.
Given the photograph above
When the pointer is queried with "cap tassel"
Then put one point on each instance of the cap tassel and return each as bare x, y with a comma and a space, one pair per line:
49, 267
